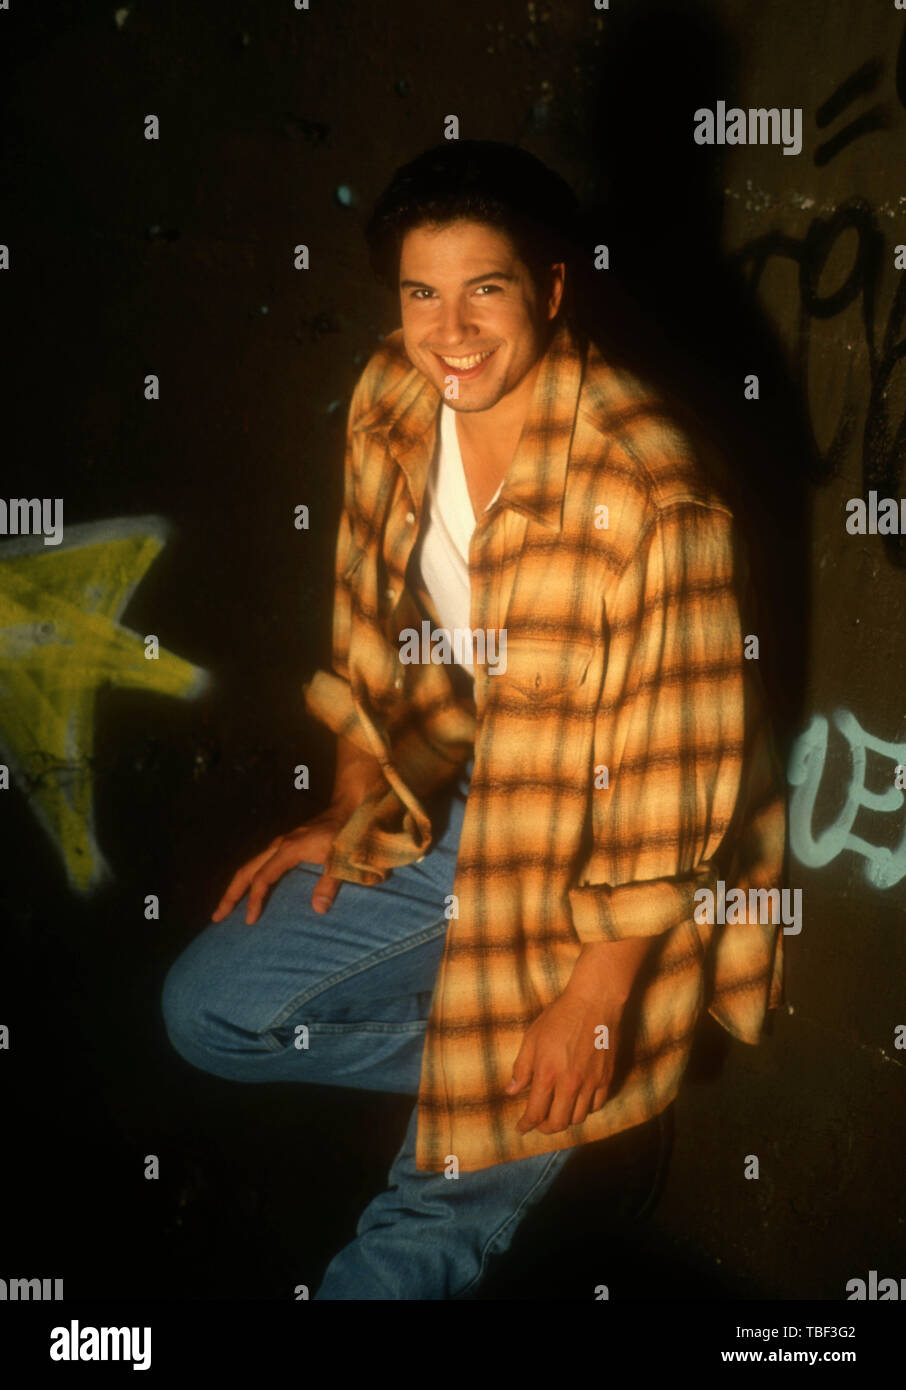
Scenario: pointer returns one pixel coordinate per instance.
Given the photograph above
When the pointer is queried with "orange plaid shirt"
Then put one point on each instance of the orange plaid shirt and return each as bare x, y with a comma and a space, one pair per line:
625, 652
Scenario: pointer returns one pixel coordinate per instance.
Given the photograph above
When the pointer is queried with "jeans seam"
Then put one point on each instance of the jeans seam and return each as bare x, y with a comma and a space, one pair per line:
357, 968
514, 1216
367, 1026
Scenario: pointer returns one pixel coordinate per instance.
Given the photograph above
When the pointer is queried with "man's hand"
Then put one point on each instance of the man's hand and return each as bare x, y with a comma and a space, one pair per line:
310, 843
562, 1058
357, 774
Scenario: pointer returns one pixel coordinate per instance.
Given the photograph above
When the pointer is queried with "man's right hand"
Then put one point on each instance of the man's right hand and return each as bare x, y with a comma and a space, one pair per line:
357, 774
310, 844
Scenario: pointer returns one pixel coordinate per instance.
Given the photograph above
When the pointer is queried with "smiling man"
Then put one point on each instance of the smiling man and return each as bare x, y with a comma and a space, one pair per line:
479, 337
495, 913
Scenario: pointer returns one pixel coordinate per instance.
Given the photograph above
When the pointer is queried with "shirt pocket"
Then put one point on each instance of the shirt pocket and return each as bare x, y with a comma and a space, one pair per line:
544, 670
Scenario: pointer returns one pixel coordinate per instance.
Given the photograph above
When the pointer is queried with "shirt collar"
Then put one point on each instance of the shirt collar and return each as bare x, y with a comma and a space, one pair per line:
407, 415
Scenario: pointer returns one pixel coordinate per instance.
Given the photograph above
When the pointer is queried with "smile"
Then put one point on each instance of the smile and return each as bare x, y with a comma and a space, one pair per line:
465, 366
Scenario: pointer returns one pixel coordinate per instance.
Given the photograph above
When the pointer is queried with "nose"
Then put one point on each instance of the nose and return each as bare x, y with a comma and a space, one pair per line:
453, 328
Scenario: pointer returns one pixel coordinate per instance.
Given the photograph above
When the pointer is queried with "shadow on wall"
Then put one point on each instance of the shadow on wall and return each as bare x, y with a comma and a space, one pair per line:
676, 310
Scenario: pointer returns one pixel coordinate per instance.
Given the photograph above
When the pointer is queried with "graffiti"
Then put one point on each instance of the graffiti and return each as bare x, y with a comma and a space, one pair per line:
885, 867
859, 83
61, 641
883, 439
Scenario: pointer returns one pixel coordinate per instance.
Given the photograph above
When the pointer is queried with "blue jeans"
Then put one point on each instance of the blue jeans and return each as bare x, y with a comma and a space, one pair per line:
360, 978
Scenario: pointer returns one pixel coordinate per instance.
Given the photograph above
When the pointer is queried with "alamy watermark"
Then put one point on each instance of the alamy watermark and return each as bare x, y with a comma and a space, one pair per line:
466, 645
875, 1290
769, 906
756, 125
31, 1290
886, 517
32, 516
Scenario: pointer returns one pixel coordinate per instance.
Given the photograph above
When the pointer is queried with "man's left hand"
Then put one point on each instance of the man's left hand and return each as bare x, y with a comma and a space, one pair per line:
562, 1061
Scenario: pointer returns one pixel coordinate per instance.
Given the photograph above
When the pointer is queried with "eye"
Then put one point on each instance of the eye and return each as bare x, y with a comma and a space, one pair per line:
488, 287
416, 294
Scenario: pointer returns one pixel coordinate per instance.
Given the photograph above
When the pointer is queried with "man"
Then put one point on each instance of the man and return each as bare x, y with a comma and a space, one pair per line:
509, 863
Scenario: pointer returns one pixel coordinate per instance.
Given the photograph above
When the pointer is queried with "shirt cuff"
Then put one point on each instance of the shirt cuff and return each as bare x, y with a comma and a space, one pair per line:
603, 913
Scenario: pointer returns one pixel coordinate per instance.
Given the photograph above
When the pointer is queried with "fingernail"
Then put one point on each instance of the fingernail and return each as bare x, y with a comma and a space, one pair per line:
322, 904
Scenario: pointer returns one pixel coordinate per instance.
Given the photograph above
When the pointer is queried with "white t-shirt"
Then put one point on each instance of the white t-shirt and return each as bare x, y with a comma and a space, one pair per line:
447, 525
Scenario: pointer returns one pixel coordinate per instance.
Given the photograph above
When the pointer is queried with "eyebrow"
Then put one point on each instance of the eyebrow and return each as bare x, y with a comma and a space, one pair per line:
475, 280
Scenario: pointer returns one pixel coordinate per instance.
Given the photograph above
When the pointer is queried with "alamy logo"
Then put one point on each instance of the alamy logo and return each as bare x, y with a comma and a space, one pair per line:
32, 516
759, 125
874, 518
75, 1343
464, 644
875, 1290
762, 905
24, 1290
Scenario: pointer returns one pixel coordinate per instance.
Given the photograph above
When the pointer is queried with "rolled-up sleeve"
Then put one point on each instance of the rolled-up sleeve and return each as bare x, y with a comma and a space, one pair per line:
669, 729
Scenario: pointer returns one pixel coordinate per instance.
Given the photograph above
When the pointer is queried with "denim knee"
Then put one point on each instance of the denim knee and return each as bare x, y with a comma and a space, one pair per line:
188, 1001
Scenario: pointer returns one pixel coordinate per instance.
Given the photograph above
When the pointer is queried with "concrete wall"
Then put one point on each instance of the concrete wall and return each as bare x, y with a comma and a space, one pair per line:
130, 257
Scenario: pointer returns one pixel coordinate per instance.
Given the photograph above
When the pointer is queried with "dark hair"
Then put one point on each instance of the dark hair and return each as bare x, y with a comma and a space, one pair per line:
485, 181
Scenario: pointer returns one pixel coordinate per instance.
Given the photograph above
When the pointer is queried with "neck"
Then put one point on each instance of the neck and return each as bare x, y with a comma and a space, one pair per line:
496, 431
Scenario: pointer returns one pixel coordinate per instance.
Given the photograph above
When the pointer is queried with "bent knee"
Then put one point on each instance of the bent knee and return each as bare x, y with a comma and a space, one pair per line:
192, 997
218, 997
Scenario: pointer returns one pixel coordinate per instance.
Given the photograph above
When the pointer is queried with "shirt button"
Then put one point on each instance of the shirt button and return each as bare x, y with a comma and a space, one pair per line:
390, 593
398, 682
410, 517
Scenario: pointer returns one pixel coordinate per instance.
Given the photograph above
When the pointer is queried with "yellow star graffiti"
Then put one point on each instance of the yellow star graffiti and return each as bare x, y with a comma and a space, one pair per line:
61, 641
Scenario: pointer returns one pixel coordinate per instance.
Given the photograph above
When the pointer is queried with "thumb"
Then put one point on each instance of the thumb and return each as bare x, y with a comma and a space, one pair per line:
325, 891
522, 1073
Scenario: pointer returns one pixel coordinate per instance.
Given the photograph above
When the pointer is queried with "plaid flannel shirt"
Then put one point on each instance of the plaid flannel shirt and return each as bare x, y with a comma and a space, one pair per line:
625, 653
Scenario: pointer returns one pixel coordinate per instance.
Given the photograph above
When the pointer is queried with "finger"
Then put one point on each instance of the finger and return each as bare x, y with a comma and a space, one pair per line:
538, 1104
583, 1104
325, 890
599, 1097
602, 1086
239, 884
522, 1069
267, 875
565, 1095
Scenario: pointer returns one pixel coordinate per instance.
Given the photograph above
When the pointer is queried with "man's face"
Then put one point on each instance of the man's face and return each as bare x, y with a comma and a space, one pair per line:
470, 310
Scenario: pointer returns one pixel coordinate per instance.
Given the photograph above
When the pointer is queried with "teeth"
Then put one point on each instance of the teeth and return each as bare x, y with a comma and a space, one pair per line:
465, 363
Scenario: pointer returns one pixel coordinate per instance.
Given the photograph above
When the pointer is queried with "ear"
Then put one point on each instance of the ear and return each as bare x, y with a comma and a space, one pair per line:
557, 283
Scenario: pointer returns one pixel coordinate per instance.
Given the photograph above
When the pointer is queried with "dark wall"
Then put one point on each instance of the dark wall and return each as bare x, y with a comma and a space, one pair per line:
174, 257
